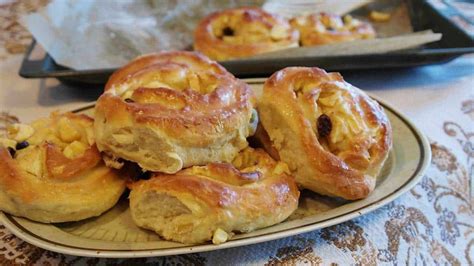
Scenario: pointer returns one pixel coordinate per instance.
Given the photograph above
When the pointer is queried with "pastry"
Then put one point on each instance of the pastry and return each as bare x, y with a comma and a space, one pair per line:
172, 110
51, 171
242, 32
213, 201
324, 28
333, 136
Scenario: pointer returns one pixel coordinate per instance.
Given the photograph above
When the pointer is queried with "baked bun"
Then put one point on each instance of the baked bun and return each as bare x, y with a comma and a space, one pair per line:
172, 110
51, 171
323, 28
333, 137
213, 201
242, 32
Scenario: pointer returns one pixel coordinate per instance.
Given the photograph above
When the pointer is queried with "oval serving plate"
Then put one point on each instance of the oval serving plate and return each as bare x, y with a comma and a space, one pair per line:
114, 235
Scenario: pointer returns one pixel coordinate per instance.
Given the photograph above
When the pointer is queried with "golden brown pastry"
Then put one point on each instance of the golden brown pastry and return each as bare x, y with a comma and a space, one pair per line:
172, 110
323, 28
213, 201
51, 171
333, 137
242, 32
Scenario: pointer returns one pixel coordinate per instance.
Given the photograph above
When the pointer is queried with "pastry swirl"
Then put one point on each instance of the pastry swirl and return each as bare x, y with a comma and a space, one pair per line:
51, 171
333, 137
324, 28
208, 202
172, 110
242, 32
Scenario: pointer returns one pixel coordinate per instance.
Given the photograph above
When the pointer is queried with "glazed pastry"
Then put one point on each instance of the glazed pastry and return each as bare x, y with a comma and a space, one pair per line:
323, 28
172, 110
213, 201
333, 136
51, 171
243, 32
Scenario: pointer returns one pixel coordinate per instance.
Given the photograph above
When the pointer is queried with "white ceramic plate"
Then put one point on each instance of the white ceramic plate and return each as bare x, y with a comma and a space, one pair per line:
113, 234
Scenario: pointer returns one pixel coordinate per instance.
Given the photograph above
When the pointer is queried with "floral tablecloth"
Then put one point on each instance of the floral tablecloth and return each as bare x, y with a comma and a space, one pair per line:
431, 224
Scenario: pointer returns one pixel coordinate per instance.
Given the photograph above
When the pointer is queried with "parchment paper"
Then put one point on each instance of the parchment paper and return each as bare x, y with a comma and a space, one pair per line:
90, 34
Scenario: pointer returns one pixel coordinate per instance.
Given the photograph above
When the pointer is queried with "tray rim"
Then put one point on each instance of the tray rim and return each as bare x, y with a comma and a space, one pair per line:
425, 158
447, 54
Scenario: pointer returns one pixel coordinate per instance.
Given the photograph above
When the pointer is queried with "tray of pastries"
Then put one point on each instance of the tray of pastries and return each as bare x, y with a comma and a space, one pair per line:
258, 41
178, 155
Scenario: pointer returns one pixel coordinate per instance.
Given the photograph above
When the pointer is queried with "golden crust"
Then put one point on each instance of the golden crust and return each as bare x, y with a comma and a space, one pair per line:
171, 110
242, 32
323, 28
44, 183
344, 162
193, 204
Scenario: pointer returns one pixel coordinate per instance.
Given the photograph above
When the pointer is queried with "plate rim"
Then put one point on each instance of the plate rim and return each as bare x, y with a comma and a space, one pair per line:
425, 159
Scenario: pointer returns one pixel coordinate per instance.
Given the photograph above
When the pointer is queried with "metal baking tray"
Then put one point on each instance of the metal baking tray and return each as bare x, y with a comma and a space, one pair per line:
455, 42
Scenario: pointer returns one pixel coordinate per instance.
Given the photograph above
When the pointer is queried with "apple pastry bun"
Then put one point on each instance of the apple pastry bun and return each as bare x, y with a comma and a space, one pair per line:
324, 28
172, 110
51, 171
333, 136
211, 202
243, 32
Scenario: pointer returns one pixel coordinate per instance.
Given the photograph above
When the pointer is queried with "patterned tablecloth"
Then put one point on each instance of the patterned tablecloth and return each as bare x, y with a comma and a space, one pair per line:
431, 224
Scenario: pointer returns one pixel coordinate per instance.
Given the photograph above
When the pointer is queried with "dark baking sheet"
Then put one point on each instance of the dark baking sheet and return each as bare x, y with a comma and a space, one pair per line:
455, 42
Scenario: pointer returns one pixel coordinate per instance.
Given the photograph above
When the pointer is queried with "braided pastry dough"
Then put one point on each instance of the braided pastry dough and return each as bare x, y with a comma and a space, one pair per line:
333, 137
56, 174
210, 202
323, 28
172, 110
242, 32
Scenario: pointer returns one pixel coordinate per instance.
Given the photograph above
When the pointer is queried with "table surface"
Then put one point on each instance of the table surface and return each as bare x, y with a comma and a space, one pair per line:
431, 224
